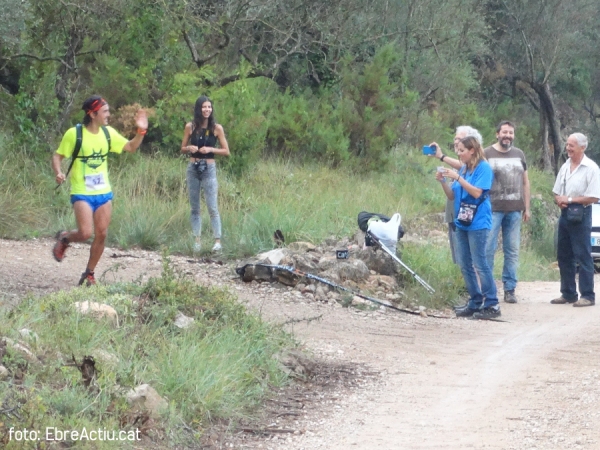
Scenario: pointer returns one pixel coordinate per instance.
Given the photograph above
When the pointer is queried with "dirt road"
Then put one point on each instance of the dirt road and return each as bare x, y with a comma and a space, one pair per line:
532, 382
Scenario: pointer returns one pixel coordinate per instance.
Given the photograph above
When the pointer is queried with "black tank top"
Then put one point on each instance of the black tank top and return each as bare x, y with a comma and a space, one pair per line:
203, 138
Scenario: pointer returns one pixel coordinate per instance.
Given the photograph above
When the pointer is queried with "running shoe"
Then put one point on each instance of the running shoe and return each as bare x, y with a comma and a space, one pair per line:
87, 278
61, 246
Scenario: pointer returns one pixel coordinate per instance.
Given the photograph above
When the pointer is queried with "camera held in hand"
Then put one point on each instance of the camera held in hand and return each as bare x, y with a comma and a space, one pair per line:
200, 165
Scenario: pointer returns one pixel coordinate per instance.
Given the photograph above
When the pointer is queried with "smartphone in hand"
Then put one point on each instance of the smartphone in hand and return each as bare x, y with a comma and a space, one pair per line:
429, 150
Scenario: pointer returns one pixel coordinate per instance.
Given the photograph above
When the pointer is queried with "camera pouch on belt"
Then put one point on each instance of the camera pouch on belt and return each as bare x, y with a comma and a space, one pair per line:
200, 166
467, 210
466, 213
574, 213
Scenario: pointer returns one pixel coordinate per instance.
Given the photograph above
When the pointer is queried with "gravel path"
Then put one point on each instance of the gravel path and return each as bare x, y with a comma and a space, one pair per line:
532, 382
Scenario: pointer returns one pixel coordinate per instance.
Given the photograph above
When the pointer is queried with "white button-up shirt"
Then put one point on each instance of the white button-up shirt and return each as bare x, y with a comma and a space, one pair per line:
584, 181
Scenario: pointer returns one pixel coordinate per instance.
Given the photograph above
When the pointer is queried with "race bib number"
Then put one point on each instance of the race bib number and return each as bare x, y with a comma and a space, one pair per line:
95, 182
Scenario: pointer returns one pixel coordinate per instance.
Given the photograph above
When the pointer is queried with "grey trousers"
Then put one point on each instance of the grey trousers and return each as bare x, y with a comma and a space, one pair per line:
207, 182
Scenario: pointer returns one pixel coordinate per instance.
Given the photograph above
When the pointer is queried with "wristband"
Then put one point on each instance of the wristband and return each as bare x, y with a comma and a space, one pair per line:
442, 158
141, 131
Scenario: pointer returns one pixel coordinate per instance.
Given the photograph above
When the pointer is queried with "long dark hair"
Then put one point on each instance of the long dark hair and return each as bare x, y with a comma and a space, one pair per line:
198, 118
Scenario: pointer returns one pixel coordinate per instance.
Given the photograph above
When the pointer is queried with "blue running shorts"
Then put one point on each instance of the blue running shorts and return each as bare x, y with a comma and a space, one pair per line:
95, 201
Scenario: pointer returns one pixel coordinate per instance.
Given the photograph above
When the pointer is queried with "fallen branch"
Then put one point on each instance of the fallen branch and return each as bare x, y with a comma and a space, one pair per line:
290, 413
307, 320
268, 430
205, 261
127, 255
11, 412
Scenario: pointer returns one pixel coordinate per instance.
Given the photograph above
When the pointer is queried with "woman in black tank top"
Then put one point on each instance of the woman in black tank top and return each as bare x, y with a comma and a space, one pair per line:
199, 142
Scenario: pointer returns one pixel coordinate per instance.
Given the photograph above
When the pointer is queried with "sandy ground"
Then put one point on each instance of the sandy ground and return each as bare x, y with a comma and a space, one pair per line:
532, 382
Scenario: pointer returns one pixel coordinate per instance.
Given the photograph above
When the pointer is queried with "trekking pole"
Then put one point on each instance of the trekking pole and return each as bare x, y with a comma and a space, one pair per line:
310, 276
409, 270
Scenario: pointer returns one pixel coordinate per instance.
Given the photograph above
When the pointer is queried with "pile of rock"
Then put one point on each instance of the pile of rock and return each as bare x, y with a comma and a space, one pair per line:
366, 269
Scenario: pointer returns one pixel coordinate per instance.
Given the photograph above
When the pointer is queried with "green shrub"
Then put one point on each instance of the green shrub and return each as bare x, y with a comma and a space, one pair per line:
370, 108
308, 128
220, 367
241, 108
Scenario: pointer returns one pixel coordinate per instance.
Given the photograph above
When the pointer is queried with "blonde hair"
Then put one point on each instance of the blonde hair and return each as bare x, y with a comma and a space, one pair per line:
471, 143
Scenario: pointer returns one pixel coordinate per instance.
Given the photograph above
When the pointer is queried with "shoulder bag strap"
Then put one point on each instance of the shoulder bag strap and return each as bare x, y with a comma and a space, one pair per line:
107, 135
481, 198
77, 148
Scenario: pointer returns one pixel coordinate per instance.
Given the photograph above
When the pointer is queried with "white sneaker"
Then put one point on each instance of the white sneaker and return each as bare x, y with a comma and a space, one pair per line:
217, 247
197, 246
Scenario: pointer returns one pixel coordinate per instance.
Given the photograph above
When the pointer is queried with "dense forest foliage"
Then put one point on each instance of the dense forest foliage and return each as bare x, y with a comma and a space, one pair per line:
342, 82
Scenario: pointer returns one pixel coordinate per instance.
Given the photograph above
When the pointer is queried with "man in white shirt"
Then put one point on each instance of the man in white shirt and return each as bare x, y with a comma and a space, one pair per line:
576, 188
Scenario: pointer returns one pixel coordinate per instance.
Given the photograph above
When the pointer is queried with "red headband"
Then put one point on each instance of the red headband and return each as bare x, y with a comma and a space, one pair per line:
96, 105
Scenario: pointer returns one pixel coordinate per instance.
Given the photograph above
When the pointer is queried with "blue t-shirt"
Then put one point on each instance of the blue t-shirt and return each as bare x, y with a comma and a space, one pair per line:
482, 178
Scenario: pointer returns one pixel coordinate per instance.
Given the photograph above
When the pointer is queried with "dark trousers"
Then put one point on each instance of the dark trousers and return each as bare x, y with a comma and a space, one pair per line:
575, 247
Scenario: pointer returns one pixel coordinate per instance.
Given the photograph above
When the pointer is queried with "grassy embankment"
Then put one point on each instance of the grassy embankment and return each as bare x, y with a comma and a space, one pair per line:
218, 369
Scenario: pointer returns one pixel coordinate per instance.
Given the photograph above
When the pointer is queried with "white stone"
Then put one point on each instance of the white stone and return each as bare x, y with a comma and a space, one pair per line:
145, 397
183, 321
28, 334
274, 256
22, 348
106, 357
359, 300
98, 310
302, 246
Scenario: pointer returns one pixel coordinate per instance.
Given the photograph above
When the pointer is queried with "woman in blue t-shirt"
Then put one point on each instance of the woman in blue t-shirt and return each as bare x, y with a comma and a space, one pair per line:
473, 212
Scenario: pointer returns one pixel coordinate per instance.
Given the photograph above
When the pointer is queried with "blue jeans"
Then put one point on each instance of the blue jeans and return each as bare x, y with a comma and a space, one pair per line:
510, 222
575, 247
473, 262
207, 182
453, 244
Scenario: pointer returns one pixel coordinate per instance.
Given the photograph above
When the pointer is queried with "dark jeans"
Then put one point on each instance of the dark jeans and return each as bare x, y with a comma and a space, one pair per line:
575, 247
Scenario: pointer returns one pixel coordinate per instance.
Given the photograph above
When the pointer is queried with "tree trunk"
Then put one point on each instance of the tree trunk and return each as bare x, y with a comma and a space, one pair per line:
548, 108
67, 83
546, 156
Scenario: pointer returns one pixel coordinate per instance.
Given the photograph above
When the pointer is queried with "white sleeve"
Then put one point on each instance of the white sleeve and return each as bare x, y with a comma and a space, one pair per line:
558, 188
